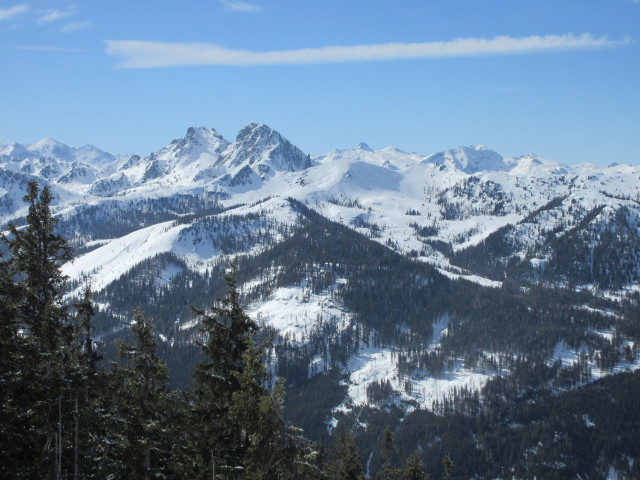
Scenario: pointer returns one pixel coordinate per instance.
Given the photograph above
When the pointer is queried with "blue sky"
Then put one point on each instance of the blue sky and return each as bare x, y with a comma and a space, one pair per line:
556, 78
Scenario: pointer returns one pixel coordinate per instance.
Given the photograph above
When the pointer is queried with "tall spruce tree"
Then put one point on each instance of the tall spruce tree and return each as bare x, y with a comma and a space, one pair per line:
347, 464
238, 429
12, 369
36, 307
388, 450
137, 441
218, 441
271, 449
85, 368
37, 253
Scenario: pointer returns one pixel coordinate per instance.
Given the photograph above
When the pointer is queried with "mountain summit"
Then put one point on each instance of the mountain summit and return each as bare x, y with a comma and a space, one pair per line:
264, 150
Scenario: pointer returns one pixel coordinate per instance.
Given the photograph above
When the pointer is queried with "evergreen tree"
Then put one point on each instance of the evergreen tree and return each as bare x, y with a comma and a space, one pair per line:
270, 448
85, 312
137, 427
218, 440
33, 285
413, 468
388, 447
86, 376
448, 467
12, 369
347, 464
37, 253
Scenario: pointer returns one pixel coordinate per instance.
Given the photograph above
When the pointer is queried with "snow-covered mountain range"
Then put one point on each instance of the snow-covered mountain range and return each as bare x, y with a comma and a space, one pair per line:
466, 213
460, 196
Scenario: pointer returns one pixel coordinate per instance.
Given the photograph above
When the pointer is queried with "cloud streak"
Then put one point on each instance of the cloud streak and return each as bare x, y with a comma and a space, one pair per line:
141, 54
7, 13
234, 6
54, 16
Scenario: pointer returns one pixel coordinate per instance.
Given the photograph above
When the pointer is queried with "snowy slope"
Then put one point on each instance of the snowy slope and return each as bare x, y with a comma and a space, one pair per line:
194, 242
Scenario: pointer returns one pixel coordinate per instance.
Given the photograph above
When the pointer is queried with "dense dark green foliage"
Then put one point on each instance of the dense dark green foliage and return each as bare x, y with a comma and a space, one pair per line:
42, 378
347, 464
555, 436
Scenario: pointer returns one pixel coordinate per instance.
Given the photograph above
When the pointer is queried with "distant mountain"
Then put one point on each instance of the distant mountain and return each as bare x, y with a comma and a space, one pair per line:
470, 159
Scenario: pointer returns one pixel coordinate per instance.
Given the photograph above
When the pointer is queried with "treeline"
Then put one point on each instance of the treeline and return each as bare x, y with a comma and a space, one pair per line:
598, 247
116, 218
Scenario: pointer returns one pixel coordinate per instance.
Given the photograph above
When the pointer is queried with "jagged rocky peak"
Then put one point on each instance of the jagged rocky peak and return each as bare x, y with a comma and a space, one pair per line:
257, 144
255, 137
132, 162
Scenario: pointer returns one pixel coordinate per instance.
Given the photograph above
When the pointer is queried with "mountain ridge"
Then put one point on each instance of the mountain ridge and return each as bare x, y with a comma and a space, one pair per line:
470, 159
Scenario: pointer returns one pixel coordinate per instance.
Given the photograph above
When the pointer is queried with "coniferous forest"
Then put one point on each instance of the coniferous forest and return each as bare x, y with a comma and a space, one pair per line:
65, 414
72, 409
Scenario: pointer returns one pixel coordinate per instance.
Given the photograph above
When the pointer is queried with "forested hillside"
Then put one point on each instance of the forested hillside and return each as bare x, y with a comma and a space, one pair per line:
67, 414
77, 405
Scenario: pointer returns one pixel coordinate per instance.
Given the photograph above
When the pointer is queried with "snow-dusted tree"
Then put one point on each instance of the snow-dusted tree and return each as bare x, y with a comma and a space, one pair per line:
34, 292
217, 439
12, 370
136, 441
347, 464
270, 448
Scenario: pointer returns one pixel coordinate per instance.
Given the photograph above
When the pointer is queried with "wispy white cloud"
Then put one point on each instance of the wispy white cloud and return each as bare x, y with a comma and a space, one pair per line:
55, 15
140, 54
76, 26
7, 13
235, 6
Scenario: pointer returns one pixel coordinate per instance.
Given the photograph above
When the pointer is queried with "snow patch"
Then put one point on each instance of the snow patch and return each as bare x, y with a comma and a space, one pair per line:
295, 311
